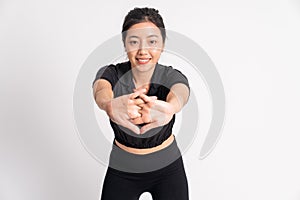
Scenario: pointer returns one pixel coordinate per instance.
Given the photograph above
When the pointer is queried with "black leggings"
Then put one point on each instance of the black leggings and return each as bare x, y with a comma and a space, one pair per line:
168, 183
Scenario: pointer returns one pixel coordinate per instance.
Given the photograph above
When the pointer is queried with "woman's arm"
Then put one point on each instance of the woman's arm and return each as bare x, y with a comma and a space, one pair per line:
103, 94
178, 96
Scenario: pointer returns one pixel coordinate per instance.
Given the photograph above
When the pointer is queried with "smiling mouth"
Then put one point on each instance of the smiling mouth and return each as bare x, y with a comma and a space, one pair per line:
143, 60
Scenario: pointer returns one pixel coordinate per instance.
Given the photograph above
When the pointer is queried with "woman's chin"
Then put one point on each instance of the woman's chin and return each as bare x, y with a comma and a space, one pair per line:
144, 67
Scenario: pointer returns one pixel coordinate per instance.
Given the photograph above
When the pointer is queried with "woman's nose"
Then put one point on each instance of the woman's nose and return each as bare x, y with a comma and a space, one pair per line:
143, 46
142, 51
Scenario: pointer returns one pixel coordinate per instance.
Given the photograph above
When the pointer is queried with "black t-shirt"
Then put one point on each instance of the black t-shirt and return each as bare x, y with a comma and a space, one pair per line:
121, 79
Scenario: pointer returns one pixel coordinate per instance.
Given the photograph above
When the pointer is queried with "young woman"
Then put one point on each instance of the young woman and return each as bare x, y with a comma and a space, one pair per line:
141, 98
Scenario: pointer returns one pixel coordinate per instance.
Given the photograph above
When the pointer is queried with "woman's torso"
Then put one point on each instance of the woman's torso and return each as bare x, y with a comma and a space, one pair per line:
139, 151
163, 78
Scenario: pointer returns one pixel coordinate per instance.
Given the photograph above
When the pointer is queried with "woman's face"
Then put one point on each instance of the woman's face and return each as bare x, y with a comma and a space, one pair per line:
144, 45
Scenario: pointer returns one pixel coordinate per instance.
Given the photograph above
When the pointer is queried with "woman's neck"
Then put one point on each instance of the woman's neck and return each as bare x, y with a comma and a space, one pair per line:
141, 78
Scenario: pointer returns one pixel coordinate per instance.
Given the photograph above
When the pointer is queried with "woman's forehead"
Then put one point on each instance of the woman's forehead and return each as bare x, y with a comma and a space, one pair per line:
144, 29
144, 32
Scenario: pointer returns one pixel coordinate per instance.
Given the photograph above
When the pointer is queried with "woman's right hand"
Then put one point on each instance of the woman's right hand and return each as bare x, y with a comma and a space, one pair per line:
124, 108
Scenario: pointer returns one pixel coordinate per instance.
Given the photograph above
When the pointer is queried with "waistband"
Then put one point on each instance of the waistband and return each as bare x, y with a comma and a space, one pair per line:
135, 163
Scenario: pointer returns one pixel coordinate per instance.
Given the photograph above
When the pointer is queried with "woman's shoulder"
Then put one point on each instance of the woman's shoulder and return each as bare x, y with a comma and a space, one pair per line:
117, 69
171, 75
112, 72
122, 66
167, 69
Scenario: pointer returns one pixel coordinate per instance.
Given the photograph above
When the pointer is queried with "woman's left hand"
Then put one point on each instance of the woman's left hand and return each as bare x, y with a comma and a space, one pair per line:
154, 112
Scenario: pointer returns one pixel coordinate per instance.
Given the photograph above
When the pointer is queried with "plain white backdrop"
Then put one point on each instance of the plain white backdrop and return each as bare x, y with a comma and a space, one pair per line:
254, 44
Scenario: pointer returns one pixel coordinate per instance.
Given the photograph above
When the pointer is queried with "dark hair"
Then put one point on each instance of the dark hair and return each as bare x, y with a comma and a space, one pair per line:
138, 15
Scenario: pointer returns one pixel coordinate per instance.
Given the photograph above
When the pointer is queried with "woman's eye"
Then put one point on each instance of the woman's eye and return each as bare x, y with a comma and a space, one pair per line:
153, 42
133, 42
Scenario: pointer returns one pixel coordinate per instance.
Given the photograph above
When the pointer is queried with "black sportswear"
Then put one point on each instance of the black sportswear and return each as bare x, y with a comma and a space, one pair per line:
121, 79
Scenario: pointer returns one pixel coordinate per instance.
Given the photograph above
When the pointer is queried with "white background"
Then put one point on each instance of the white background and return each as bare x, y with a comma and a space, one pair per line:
254, 44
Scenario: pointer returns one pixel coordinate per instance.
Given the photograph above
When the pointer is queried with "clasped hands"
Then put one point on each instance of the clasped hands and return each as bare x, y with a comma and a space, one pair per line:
138, 108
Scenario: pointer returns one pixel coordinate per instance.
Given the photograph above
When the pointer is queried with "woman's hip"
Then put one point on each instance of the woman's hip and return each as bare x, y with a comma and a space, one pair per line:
140, 163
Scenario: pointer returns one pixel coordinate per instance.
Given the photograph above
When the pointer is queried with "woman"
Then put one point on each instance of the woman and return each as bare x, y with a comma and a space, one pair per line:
141, 98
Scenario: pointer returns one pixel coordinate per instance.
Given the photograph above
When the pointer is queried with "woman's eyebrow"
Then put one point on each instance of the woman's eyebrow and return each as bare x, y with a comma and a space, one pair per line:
134, 36
152, 36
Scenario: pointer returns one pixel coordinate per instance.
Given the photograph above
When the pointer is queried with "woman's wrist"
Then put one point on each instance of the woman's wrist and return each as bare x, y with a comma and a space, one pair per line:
173, 108
107, 107
168, 107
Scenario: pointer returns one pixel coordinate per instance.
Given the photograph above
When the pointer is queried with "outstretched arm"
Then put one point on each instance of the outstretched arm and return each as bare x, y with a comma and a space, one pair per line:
178, 96
103, 94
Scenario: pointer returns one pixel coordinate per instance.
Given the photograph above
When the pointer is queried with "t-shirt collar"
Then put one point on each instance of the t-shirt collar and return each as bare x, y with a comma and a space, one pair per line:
126, 77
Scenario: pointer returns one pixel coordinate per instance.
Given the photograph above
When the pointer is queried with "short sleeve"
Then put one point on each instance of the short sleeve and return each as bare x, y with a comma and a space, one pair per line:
108, 73
175, 76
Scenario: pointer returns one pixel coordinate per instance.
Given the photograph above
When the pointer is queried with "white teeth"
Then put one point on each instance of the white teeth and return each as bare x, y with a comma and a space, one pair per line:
143, 60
